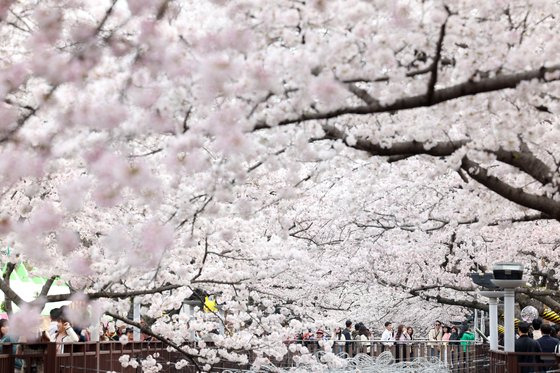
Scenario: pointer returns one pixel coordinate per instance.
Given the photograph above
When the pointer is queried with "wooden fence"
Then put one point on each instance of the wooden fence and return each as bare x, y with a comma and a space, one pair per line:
103, 357
518, 362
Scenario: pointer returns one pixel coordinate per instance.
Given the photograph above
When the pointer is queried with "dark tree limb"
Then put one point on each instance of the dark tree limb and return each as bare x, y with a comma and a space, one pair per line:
527, 162
47, 286
467, 88
149, 332
434, 72
114, 295
9, 294
362, 94
544, 204
6, 276
409, 74
203, 260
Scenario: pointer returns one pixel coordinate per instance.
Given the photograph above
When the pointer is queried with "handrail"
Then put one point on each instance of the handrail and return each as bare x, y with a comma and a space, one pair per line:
419, 341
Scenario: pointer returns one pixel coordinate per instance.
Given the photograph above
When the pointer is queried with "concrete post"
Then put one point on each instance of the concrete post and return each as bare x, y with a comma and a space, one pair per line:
509, 310
493, 308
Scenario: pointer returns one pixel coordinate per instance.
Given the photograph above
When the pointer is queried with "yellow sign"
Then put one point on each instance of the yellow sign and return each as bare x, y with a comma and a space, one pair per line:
210, 305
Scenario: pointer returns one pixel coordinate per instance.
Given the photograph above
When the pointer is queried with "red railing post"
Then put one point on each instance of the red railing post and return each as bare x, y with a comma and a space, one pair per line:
511, 363
50, 358
11, 356
97, 353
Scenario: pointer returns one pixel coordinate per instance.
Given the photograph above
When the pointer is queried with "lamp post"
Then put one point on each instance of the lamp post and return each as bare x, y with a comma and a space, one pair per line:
493, 293
508, 276
493, 298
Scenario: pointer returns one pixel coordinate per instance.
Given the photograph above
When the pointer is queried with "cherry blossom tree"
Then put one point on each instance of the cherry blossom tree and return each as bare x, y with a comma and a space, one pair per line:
303, 161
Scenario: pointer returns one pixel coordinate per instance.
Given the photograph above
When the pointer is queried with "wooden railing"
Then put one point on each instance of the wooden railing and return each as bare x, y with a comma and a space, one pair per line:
521, 362
87, 357
102, 357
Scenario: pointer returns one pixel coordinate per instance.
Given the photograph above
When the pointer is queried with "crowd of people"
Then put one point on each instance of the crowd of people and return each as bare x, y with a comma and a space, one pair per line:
537, 337
59, 329
358, 337
354, 338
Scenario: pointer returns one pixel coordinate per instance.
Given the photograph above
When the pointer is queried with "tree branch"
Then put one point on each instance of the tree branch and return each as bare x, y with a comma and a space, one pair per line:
203, 259
468, 88
114, 295
149, 332
434, 73
11, 295
409, 74
540, 203
6, 276
362, 94
527, 162
47, 286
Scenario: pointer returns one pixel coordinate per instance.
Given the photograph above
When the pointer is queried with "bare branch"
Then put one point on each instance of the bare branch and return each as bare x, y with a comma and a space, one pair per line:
362, 94
149, 332
540, 203
203, 259
47, 286
409, 74
434, 73
9, 294
468, 88
114, 295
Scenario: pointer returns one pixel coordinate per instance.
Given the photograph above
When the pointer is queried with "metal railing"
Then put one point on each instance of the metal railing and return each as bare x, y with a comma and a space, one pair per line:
457, 356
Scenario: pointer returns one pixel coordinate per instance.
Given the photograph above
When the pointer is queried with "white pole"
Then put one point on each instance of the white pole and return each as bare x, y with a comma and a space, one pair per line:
94, 337
222, 321
186, 309
136, 317
509, 304
493, 308
483, 322
475, 324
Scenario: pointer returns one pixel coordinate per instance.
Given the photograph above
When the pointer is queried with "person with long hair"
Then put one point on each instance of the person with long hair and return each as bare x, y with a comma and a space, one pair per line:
446, 333
401, 337
410, 333
5, 337
364, 338
339, 340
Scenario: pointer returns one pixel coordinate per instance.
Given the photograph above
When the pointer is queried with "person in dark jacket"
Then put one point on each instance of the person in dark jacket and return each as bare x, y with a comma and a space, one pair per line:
454, 336
527, 344
348, 335
547, 343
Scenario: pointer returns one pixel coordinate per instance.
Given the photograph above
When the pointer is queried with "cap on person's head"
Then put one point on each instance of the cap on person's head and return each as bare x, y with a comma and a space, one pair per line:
348, 323
523, 327
546, 328
537, 323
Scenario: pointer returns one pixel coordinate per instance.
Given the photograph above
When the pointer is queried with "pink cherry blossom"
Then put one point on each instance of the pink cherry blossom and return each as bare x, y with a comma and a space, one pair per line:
25, 323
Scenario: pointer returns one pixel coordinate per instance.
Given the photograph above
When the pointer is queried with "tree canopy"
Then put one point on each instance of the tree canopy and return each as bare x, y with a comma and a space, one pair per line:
303, 161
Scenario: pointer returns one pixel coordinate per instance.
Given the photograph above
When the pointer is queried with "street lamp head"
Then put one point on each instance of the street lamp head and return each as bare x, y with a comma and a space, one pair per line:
483, 280
508, 275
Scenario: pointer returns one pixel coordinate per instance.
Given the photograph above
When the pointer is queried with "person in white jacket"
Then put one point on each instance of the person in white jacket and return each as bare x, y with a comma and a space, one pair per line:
387, 335
339, 340
64, 334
